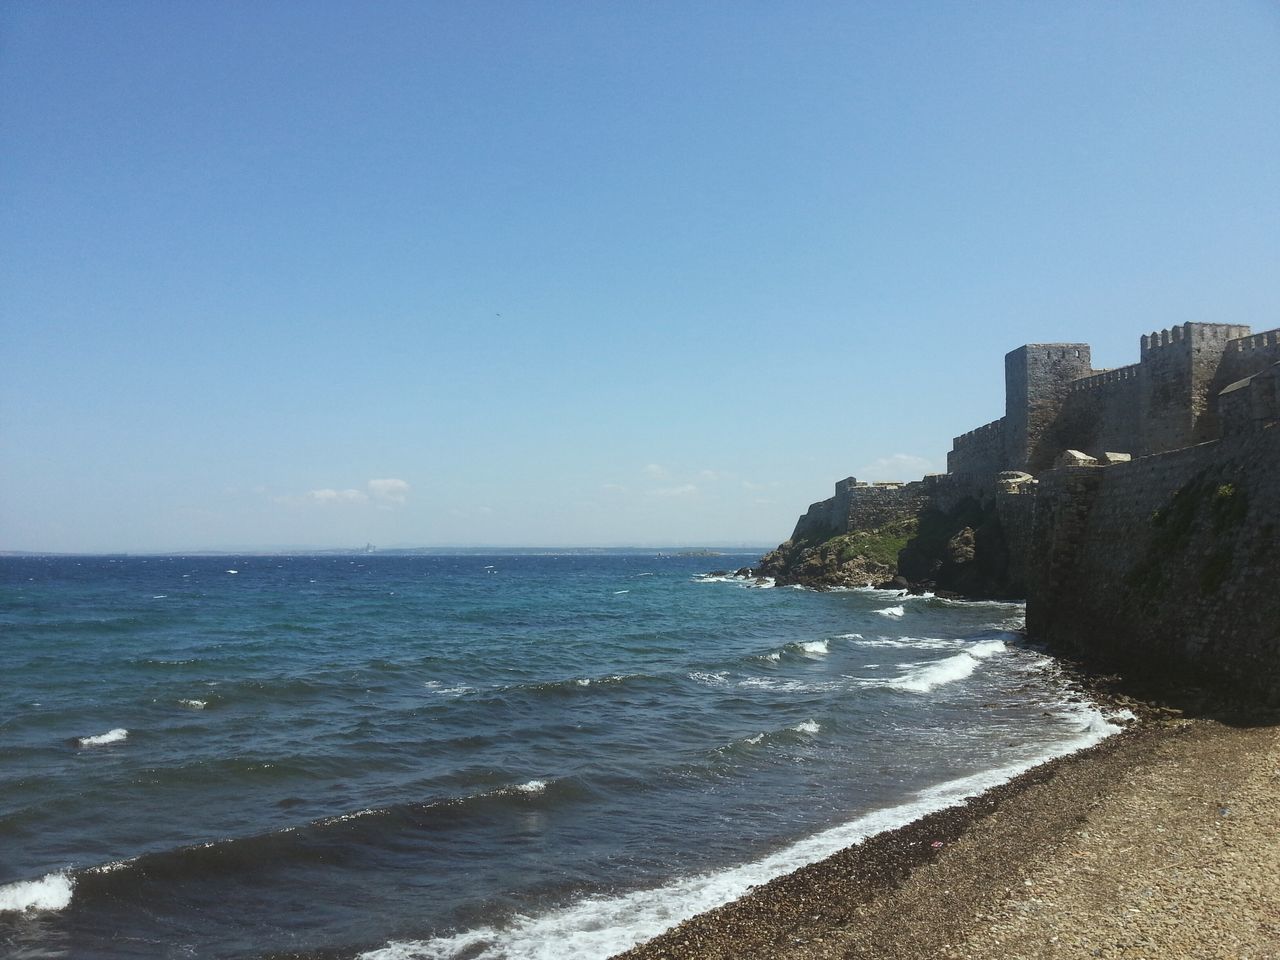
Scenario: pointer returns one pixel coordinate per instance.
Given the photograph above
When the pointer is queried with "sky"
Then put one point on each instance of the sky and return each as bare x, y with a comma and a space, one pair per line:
288, 275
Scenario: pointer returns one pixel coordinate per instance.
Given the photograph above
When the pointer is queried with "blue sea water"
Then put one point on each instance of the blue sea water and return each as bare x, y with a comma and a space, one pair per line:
553, 755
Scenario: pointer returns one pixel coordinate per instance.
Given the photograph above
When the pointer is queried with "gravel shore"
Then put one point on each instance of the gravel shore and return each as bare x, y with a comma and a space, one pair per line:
1161, 842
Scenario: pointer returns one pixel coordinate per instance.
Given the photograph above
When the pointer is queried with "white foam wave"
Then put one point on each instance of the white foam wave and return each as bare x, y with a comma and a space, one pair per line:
850, 636
911, 643
233, 571
51, 892
781, 685
435, 686
718, 679
194, 704
754, 583
897, 611
343, 817
937, 673
899, 594
815, 646
601, 927
775, 656
113, 866
618, 592
808, 726
111, 736
531, 786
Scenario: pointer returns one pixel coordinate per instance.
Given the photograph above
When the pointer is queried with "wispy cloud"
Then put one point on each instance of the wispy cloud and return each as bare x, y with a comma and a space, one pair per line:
897, 466
681, 490
329, 495
656, 471
389, 490
386, 493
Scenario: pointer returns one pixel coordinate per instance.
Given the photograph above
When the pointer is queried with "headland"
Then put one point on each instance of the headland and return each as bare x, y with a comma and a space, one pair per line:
1136, 510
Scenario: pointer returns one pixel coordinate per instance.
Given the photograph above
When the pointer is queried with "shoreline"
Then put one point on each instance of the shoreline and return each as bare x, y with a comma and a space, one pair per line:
970, 880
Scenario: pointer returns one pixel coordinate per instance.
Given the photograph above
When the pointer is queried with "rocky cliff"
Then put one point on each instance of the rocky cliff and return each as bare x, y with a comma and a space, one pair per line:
1163, 567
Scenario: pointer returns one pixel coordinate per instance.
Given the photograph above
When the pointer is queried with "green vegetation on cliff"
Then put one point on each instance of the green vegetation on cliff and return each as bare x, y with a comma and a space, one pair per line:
1198, 521
846, 560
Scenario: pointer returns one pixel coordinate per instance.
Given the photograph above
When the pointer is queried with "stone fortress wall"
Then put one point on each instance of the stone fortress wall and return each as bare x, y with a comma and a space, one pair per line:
861, 506
1144, 521
1138, 508
1169, 399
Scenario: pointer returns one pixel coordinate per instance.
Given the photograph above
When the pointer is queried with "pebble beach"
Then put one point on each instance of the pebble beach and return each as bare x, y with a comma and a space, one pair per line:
1160, 842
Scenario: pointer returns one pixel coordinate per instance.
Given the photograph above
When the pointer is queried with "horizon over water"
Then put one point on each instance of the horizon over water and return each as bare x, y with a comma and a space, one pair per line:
495, 754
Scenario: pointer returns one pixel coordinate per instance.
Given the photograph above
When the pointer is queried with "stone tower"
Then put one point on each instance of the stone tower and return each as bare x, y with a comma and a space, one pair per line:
1036, 381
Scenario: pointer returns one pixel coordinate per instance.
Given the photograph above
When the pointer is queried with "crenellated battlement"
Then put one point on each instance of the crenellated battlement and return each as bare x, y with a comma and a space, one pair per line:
986, 431
1256, 341
1168, 400
1104, 377
1185, 335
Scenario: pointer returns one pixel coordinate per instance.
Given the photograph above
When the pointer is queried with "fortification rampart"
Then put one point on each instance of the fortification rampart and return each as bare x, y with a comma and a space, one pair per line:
1037, 379
1099, 413
979, 451
1168, 400
860, 506
1164, 565
1161, 564
1248, 356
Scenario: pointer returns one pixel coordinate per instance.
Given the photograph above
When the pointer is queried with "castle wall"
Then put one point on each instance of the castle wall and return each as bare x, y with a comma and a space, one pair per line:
1246, 357
1180, 372
1163, 565
860, 506
979, 452
1099, 414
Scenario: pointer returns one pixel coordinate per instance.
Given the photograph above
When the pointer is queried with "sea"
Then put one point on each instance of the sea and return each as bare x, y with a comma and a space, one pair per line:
518, 755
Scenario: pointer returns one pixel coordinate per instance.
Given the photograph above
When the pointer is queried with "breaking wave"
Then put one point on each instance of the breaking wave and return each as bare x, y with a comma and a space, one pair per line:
603, 926
111, 736
52, 892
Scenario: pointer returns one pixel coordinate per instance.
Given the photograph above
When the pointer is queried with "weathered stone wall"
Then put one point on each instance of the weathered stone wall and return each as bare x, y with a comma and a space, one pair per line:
1166, 565
860, 506
1246, 357
978, 452
1037, 379
1054, 401
1179, 374
1100, 414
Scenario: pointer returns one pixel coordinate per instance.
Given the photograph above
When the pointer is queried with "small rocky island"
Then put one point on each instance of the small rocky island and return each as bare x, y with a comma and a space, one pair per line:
1136, 510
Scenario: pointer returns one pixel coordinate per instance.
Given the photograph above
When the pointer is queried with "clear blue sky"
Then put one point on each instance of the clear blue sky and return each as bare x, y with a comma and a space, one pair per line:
283, 274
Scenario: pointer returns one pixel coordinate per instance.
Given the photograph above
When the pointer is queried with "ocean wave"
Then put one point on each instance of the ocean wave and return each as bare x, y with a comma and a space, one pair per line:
754, 583
816, 647
910, 643
603, 926
718, 679
457, 690
806, 727
304, 842
783, 685
897, 611
194, 704
899, 594
51, 892
111, 736
938, 673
